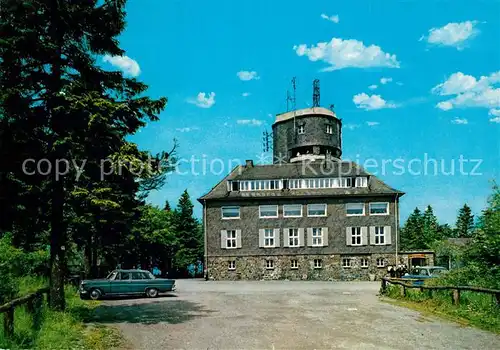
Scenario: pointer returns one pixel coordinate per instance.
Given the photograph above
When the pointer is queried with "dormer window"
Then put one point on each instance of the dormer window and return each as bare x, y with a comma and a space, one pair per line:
301, 129
361, 182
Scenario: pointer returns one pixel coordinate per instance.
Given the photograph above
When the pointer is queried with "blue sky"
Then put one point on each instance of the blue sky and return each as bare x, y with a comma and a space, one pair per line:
410, 79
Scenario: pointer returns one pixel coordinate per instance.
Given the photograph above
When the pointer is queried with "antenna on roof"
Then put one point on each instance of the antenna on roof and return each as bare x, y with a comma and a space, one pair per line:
316, 93
266, 143
288, 99
294, 95
332, 107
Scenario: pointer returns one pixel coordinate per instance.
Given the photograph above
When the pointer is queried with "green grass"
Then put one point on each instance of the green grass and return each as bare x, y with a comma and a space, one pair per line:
59, 330
475, 309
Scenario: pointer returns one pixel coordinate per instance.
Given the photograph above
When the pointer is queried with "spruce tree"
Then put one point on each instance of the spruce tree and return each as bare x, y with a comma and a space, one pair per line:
465, 222
431, 226
188, 235
412, 232
167, 206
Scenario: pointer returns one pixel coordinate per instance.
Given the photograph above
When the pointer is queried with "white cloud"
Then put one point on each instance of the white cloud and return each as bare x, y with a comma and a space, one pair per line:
126, 64
494, 112
469, 91
372, 123
270, 115
339, 54
445, 105
253, 122
372, 87
462, 121
495, 120
351, 126
452, 34
245, 94
372, 102
247, 75
334, 18
203, 100
399, 83
384, 81
187, 129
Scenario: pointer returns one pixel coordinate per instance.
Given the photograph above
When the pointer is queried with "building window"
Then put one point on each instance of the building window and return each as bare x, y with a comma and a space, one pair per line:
292, 210
269, 238
293, 237
318, 263
320, 183
379, 235
231, 265
260, 185
268, 211
316, 210
269, 264
380, 262
355, 209
329, 129
231, 239
345, 182
379, 208
230, 212
301, 129
364, 262
294, 264
317, 237
346, 262
361, 182
356, 236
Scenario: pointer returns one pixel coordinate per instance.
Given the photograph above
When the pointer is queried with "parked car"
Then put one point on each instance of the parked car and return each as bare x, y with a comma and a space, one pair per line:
126, 282
424, 272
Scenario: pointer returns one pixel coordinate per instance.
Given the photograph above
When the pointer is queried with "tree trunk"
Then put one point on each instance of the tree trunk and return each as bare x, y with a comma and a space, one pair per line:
58, 229
57, 248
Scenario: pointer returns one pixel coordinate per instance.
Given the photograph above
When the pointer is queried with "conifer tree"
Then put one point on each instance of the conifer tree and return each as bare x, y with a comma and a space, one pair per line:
465, 222
188, 235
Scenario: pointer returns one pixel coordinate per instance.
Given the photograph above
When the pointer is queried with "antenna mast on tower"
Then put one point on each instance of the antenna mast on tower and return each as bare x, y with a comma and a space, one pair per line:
316, 94
266, 143
294, 87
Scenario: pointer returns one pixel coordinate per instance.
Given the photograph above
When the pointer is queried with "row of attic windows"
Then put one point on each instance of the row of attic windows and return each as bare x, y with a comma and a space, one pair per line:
292, 184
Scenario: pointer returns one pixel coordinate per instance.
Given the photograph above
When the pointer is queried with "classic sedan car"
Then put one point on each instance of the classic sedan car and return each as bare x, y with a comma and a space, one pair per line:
422, 273
126, 282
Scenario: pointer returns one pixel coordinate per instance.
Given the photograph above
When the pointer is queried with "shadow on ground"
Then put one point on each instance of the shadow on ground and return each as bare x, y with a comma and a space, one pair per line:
171, 311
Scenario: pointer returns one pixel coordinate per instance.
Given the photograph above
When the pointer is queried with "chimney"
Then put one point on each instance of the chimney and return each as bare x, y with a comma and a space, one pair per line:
249, 163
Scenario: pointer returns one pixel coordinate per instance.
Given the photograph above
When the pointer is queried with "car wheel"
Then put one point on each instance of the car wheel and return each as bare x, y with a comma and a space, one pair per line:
95, 294
152, 292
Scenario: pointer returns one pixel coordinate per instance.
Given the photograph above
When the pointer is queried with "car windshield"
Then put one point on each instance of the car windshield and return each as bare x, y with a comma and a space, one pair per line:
150, 275
437, 271
112, 275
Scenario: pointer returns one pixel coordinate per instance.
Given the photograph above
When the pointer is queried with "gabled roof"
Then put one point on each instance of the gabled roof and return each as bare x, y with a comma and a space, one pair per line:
299, 170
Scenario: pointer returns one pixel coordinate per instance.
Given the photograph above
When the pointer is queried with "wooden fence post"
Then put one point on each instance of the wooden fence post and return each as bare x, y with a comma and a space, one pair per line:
35, 309
456, 296
403, 291
384, 286
8, 323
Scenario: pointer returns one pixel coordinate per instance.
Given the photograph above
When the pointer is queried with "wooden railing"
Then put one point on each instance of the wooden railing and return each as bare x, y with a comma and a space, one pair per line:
455, 290
34, 304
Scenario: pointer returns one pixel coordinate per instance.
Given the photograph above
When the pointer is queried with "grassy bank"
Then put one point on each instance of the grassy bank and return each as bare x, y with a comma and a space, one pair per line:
475, 309
59, 330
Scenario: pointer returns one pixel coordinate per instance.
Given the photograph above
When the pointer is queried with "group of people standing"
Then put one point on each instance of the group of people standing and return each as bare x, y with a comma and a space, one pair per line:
397, 271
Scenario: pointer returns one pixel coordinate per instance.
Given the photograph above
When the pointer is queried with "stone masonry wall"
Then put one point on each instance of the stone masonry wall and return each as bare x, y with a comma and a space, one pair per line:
254, 267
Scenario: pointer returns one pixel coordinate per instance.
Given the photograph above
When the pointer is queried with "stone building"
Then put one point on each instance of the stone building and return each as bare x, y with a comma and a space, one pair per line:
309, 215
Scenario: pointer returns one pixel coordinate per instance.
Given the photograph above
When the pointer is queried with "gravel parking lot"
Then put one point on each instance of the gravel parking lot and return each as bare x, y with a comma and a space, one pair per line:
282, 315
